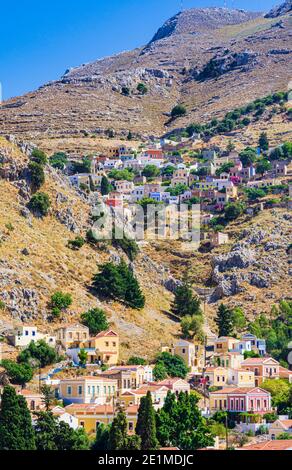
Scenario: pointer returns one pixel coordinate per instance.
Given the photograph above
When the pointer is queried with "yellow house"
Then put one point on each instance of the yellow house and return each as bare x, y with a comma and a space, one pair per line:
241, 378
72, 334
90, 416
133, 397
216, 376
219, 400
191, 352
88, 389
225, 344
106, 346
139, 374
230, 359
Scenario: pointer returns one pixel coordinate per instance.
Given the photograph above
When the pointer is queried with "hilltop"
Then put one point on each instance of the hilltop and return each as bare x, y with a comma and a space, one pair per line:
93, 98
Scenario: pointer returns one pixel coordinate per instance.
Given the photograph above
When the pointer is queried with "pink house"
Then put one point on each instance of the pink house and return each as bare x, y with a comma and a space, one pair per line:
255, 400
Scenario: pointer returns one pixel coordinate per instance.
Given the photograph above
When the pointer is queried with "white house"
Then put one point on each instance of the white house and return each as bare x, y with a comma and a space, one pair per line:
23, 335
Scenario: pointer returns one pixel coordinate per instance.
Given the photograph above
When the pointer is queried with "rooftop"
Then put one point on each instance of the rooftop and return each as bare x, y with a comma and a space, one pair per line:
270, 445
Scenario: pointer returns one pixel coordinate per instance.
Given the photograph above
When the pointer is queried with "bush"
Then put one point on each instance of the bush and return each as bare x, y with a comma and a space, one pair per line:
136, 361
150, 171
60, 301
130, 247
38, 156
39, 204
95, 319
178, 111
142, 88
36, 175
77, 243
125, 91
19, 374
233, 210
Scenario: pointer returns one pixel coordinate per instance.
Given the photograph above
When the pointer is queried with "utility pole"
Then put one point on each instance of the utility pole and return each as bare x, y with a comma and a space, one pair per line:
226, 430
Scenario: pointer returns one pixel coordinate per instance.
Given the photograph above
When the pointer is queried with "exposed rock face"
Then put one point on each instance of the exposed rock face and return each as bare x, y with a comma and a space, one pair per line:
171, 284
227, 62
280, 10
238, 258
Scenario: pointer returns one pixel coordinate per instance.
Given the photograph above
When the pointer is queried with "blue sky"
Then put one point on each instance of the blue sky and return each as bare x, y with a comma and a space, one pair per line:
40, 40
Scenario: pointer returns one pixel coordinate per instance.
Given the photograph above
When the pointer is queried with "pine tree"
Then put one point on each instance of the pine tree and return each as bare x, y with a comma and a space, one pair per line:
146, 424
133, 295
185, 302
48, 396
224, 320
16, 431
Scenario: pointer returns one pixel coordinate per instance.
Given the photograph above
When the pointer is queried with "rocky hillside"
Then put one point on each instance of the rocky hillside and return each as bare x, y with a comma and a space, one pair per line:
280, 10
35, 261
90, 99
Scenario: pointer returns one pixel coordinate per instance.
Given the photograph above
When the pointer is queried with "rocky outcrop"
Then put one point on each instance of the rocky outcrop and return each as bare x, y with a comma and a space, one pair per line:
239, 258
229, 61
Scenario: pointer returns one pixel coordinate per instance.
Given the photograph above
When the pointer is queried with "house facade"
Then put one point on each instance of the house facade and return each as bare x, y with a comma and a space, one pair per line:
87, 389
241, 400
263, 368
70, 334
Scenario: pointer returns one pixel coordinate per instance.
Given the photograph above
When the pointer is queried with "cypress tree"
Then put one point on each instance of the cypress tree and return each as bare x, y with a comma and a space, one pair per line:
105, 186
224, 320
118, 432
146, 424
16, 431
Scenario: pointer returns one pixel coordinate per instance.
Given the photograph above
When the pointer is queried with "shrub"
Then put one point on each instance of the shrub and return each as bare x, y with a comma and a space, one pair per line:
95, 319
39, 204
233, 210
178, 111
142, 88
60, 301
125, 91
39, 157
77, 243
136, 361
174, 365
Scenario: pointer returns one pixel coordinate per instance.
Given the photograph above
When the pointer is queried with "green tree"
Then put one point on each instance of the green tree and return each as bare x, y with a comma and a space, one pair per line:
39, 204
142, 88
96, 320
53, 435
150, 171
192, 327
180, 423
263, 166
118, 432
159, 371
82, 356
279, 390
185, 302
233, 210
102, 438
36, 175
105, 186
248, 156
16, 432
18, 374
146, 424
264, 142
48, 396
178, 111
125, 91
38, 354
119, 282
59, 160
174, 365
238, 319
224, 321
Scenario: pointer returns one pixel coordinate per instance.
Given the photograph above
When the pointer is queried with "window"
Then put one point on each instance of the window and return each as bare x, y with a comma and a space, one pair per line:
114, 344
79, 389
33, 333
82, 424
131, 426
107, 344
183, 351
69, 390
26, 333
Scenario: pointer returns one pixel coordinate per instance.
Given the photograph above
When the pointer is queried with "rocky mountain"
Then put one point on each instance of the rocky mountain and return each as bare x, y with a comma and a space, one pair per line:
280, 10
93, 98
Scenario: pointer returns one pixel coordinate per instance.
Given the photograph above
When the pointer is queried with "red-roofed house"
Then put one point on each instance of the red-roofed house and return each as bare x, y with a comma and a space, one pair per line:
252, 400
279, 427
263, 368
269, 445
